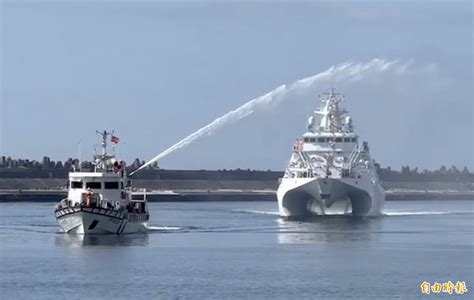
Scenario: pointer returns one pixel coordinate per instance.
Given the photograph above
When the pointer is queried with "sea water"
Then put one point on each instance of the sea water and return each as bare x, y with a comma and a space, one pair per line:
225, 250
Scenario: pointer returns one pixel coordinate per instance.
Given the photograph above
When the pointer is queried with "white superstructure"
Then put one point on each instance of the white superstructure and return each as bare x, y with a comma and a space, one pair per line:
329, 171
101, 201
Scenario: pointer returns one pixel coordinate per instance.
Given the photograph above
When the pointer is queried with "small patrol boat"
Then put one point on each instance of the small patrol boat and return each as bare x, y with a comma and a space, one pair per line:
101, 202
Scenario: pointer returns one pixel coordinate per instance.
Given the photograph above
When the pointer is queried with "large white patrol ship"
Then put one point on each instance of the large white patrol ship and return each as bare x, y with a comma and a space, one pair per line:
101, 201
329, 171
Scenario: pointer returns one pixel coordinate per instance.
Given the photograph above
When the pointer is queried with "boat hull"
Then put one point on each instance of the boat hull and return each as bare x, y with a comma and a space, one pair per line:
300, 197
87, 220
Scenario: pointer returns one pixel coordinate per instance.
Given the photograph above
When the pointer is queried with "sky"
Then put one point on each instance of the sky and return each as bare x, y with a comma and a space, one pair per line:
155, 71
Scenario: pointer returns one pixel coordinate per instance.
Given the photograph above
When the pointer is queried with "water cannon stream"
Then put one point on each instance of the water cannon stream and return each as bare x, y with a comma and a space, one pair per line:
334, 74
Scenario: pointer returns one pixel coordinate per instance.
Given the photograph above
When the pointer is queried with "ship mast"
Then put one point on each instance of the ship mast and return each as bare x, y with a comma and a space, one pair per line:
331, 114
104, 136
101, 160
331, 121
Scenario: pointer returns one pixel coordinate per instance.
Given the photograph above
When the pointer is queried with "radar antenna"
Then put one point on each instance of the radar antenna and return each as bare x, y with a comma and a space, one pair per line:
104, 134
101, 160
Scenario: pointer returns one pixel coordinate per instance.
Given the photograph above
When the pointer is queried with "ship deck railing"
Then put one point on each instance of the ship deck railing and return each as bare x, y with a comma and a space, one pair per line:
97, 203
319, 172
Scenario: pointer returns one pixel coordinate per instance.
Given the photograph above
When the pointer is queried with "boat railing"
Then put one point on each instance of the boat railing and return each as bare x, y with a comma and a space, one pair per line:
352, 159
98, 202
64, 203
303, 173
307, 170
139, 196
310, 170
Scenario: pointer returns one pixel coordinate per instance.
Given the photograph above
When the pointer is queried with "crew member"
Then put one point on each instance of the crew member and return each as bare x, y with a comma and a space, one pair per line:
116, 167
122, 167
89, 197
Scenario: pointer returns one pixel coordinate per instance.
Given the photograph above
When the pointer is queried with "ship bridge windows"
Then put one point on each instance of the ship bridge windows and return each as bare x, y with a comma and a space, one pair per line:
306, 140
94, 185
334, 139
111, 185
76, 184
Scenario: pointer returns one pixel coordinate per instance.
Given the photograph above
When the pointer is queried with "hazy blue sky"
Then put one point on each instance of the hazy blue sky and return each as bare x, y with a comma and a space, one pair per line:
155, 71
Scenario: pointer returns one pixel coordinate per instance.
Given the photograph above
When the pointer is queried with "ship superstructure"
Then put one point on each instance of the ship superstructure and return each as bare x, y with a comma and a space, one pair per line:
329, 171
101, 201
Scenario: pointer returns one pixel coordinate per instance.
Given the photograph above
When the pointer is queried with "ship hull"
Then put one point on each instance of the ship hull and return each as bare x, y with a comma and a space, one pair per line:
301, 197
87, 220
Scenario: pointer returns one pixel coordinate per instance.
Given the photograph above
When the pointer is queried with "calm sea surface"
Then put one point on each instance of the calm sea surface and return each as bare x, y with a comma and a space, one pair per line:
240, 250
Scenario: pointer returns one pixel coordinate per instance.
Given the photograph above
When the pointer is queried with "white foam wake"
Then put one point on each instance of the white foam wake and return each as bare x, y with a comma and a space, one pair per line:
253, 211
423, 213
163, 228
385, 213
335, 74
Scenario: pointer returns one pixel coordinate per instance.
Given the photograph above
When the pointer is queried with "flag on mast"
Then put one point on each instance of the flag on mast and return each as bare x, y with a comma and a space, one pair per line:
114, 139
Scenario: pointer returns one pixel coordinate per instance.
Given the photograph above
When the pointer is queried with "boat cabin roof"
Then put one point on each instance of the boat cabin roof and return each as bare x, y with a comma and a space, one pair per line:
81, 175
329, 134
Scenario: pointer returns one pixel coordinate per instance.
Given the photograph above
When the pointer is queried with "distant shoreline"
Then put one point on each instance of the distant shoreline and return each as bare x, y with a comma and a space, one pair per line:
224, 195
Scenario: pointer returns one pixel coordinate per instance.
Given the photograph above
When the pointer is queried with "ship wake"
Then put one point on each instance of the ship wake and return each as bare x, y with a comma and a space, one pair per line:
424, 213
